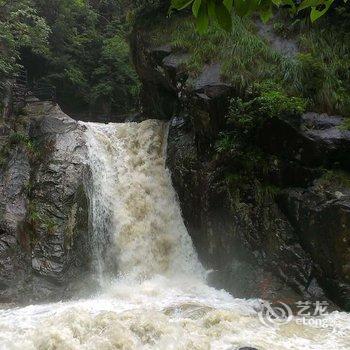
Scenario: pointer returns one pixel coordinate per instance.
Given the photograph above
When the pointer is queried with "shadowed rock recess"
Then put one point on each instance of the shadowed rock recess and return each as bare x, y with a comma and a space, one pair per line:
280, 228
43, 206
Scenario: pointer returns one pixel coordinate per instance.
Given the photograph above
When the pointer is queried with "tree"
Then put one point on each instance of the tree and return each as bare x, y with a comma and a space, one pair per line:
88, 58
20, 27
220, 10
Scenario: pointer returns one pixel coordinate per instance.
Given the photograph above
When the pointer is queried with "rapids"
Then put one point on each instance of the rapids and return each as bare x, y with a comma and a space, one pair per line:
153, 293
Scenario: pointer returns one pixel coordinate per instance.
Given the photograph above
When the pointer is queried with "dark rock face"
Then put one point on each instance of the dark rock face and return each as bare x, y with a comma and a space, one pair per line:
289, 246
13, 180
166, 89
243, 237
158, 94
321, 217
44, 215
313, 140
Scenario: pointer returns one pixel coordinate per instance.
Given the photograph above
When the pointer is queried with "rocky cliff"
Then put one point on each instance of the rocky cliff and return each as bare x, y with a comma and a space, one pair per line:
268, 207
43, 205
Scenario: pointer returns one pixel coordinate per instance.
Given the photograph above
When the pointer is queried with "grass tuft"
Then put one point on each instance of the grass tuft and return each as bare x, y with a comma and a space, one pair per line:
319, 73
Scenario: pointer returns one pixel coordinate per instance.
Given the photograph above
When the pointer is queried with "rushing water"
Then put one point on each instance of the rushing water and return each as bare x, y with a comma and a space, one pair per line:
153, 291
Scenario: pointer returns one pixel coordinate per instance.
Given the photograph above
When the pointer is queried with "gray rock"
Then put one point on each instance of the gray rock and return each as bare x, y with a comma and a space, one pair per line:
210, 81
44, 209
285, 46
160, 52
174, 64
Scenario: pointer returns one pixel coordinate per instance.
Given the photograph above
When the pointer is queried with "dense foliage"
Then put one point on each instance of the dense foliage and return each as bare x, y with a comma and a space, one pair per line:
79, 46
220, 10
20, 27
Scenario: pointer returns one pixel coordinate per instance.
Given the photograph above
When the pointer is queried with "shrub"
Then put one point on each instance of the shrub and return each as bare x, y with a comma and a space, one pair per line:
267, 101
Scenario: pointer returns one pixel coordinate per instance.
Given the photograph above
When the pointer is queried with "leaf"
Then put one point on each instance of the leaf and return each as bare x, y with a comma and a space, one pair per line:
228, 4
180, 4
309, 3
290, 3
223, 17
316, 14
195, 7
242, 7
265, 11
277, 2
202, 19
211, 9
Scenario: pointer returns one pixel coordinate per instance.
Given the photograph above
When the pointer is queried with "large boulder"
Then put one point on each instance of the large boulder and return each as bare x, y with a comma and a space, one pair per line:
167, 88
44, 207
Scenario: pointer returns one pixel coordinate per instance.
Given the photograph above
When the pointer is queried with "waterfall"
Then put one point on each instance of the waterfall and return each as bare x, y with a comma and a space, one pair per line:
153, 291
134, 208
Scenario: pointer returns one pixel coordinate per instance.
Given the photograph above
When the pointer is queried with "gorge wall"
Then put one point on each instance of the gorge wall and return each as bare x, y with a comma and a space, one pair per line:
269, 216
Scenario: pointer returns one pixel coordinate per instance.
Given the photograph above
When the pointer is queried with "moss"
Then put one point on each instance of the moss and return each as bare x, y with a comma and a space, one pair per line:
269, 191
335, 178
225, 143
345, 125
35, 220
49, 224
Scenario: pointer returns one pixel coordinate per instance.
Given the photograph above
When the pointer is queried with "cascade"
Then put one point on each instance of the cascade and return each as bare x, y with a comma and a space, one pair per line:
153, 291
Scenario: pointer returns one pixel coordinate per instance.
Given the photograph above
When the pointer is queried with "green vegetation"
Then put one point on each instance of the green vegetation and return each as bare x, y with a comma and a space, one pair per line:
88, 58
245, 56
320, 72
267, 101
219, 11
36, 219
31, 146
346, 125
326, 67
246, 116
49, 225
336, 178
20, 27
78, 46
